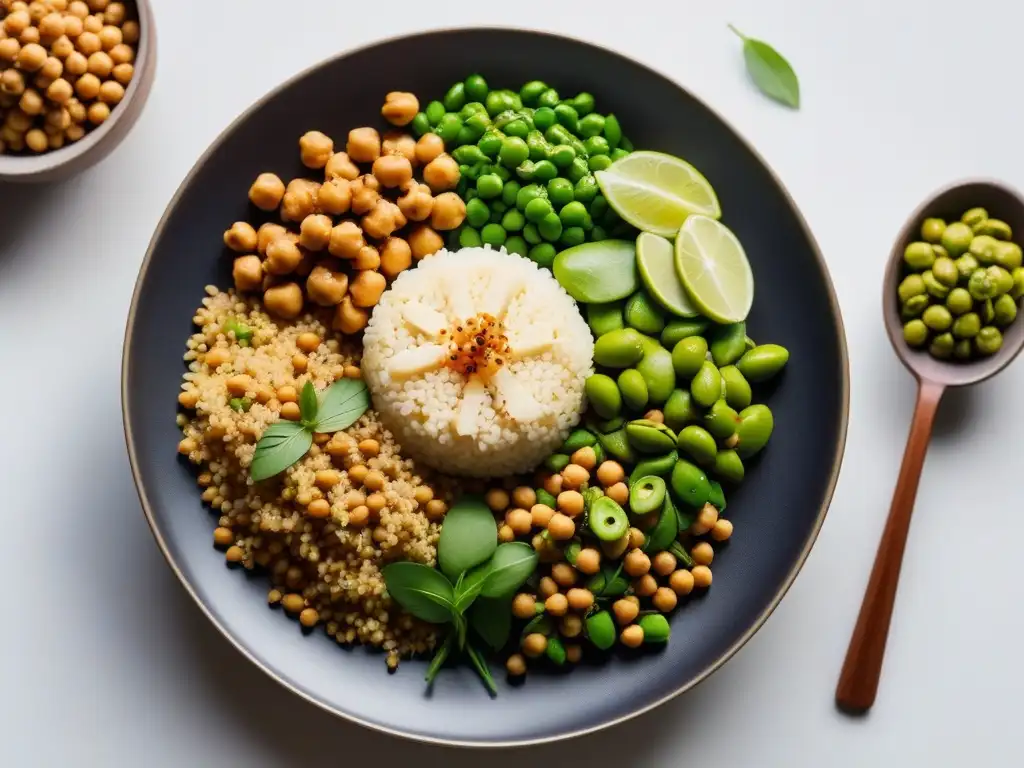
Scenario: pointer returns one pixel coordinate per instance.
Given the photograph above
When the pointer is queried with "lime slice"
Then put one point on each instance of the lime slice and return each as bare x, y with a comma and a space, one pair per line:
712, 265
656, 192
657, 263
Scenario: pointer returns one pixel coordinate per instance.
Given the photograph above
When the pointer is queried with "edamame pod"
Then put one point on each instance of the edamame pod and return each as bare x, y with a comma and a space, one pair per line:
763, 362
717, 497
647, 495
644, 314
665, 531
737, 388
721, 420
650, 437
754, 430
659, 467
621, 348
580, 438
680, 410
656, 368
656, 628
698, 444
633, 389
689, 484
706, 386
603, 395
601, 630
616, 445
729, 466
677, 330
728, 342
688, 356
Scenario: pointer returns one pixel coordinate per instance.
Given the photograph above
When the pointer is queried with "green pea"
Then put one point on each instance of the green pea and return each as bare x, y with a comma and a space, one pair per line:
513, 220
599, 162
706, 386
1005, 310
938, 250
729, 466
449, 127
966, 265
490, 143
513, 152
987, 311
918, 256
728, 343
538, 206
488, 186
473, 108
1007, 255
656, 368
537, 145
498, 208
763, 362
516, 244
545, 170
932, 229
548, 98
597, 145
962, 350
912, 285
1002, 280
598, 233
435, 112
616, 445
493, 234
603, 395
510, 191
561, 155
967, 326
601, 630
586, 189
754, 430
572, 214
469, 238
455, 98
698, 444
642, 313
550, 227
974, 216
559, 192
988, 341
677, 330
938, 318
959, 301
983, 247
470, 132
996, 228
531, 235
240, 404
933, 286
498, 102
945, 271
688, 356
543, 254
573, 236
520, 129
420, 124
598, 206
477, 213
469, 155
530, 92
605, 318
578, 169
914, 306
583, 103
956, 238
529, 193
915, 333
612, 131
567, 117
618, 154
942, 346
633, 389
502, 173
680, 410
591, 125
543, 118
475, 87
620, 348
626, 144
689, 484
1018, 283
737, 389
721, 420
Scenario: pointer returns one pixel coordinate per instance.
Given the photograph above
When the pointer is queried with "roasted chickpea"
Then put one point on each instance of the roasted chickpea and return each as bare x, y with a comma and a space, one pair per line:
616, 547
88, 42
74, 133
541, 515
346, 240
326, 286
267, 191
557, 605
519, 521
399, 144
400, 107
57, 121
115, 13
9, 48
392, 170
111, 92
417, 202
515, 665
441, 173
385, 218
36, 140
664, 599
722, 530
367, 258
241, 237
31, 57
268, 233
584, 457
335, 196
664, 563
619, 493
395, 257
315, 232
563, 574
30, 35
299, 199
123, 73
131, 32
12, 82
51, 25
99, 64
524, 496
54, 140
429, 146
77, 65
625, 611
610, 473
561, 527
367, 288
283, 255
31, 102
701, 576
339, 166
315, 149
588, 561
365, 194
60, 92
52, 68
424, 241
534, 645
505, 534
547, 587
247, 272
73, 26
17, 22
98, 113
636, 538
570, 503
681, 582
363, 145
109, 36
62, 47
524, 606
574, 476
632, 636
284, 300
645, 586
636, 563
580, 599
448, 212
702, 553
76, 110
348, 318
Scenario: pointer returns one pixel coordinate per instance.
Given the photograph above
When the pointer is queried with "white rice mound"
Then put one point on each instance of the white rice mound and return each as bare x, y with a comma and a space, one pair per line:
422, 407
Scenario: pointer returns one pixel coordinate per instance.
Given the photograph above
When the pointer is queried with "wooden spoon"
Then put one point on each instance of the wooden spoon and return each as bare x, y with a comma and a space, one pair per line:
858, 682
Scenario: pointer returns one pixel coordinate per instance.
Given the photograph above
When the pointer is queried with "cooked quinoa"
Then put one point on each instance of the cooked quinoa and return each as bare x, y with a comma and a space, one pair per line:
324, 528
477, 361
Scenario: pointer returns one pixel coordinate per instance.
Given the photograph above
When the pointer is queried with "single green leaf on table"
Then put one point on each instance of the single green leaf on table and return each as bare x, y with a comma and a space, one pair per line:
482, 669
308, 405
283, 443
770, 71
469, 536
440, 657
342, 404
492, 620
422, 591
510, 567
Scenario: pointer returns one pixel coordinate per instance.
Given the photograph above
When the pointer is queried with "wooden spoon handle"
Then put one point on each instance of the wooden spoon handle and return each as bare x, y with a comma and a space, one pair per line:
858, 682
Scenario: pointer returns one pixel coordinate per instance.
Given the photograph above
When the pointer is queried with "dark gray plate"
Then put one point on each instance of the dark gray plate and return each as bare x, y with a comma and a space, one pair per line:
777, 512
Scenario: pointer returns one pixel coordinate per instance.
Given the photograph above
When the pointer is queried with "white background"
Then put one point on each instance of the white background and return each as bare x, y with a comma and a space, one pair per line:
104, 661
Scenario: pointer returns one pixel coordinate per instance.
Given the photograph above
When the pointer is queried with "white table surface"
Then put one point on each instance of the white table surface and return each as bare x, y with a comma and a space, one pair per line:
104, 661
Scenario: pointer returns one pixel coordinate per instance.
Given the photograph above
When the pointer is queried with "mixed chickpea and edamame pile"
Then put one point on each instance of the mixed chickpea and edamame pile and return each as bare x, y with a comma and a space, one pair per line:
649, 415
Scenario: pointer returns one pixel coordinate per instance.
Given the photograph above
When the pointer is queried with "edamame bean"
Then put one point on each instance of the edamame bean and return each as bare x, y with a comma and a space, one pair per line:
469, 154
1018, 283
586, 189
914, 306
572, 214
919, 256
688, 356
680, 410
980, 286
974, 216
915, 333
531, 235
706, 386
988, 341
435, 112
477, 212
543, 118
737, 388
643, 314
510, 192
556, 462
559, 192
1005, 310
1007, 255
561, 155
942, 346
544, 170
754, 430
911, 285
763, 362
493, 234
548, 98
519, 129
728, 343
475, 87
656, 368
530, 92
966, 265
420, 124
583, 103
987, 312
603, 395
983, 248
956, 238
598, 233
962, 349
633, 389
577, 170
596, 145
567, 117
619, 348
729, 466
721, 420
932, 229
537, 208
933, 286
612, 131
617, 446
604, 318
490, 143
1002, 281
513, 220
698, 443
945, 271
543, 254
996, 228
937, 318
677, 330
650, 437
959, 301
455, 99
689, 484
967, 326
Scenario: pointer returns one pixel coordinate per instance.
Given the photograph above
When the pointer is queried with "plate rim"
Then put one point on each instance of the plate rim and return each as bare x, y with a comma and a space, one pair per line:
281, 679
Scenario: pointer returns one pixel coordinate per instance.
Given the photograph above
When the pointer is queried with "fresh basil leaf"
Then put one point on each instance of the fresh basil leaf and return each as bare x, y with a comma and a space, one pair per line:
770, 71
283, 443
342, 404
421, 590
468, 537
480, 663
308, 405
511, 566
467, 589
440, 657
492, 620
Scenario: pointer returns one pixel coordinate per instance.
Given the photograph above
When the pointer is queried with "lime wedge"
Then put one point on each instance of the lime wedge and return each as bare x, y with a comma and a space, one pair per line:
656, 192
712, 265
657, 263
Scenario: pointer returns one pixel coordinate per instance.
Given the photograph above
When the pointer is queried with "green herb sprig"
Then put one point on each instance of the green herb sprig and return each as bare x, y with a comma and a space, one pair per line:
471, 590
770, 71
285, 442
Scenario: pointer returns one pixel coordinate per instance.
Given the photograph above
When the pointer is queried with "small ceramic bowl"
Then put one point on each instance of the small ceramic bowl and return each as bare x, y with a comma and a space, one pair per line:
72, 159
